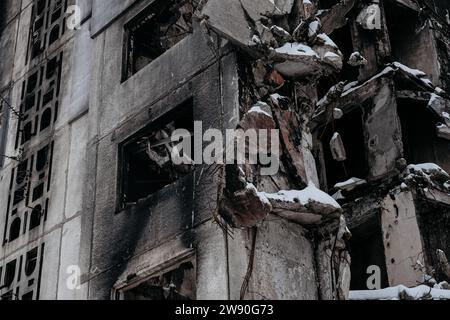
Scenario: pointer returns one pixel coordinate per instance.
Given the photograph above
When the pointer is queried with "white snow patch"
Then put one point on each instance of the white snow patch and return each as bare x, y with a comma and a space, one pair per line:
426, 168
309, 194
298, 49
415, 72
395, 292
260, 195
327, 40
313, 28
350, 183
257, 109
387, 70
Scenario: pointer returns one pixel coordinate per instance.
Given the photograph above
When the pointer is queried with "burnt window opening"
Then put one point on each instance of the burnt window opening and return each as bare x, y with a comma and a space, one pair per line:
434, 223
48, 97
154, 31
35, 217
31, 262
42, 159
30, 102
343, 39
38, 192
177, 284
351, 131
27, 132
444, 61
10, 273
410, 42
22, 172
32, 82
420, 141
27, 296
52, 66
14, 229
146, 163
46, 119
367, 249
19, 195
40, 7
54, 35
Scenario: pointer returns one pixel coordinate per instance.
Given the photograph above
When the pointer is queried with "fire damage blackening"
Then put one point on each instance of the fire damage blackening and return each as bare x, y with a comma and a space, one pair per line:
359, 91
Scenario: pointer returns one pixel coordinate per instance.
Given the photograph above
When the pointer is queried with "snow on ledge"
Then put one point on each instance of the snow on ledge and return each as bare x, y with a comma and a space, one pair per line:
426, 168
304, 197
395, 293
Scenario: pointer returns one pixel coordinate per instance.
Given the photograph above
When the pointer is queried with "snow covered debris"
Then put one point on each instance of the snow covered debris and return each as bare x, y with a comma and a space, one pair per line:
304, 197
414, 72
297, 49
356, 60
326, 40
443, 131
337, 148
261, 107
401, 293
353, 86
427, 168
350, 184
333, 59
313, 28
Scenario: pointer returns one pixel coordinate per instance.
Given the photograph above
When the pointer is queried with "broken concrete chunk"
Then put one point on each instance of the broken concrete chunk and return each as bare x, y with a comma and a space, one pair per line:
268, 8
443, 131
338, 196
337, 114
279, 101
356, 60
275, 78
336, 17
281, 35
258, 117
350, 184
328, 51
333, 59
337, 148
313, 29
245, 208
308, 8
261, 108
300, 60
227, 19
446, 117
430, 171
308, 206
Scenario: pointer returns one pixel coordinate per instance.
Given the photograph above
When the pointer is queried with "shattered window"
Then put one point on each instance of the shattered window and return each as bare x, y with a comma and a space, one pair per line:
147, 164
419, 134
344, 148
154, 31
177, 284
367, 249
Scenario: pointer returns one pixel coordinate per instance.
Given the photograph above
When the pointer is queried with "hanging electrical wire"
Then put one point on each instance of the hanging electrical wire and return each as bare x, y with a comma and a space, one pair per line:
18, 114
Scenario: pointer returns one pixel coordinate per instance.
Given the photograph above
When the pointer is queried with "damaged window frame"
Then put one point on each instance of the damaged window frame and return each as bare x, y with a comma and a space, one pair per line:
133, 281
183, 112
147, 16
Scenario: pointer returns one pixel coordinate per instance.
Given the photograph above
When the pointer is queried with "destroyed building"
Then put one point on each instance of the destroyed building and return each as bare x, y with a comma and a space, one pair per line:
94, 207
